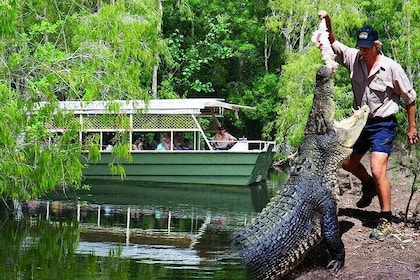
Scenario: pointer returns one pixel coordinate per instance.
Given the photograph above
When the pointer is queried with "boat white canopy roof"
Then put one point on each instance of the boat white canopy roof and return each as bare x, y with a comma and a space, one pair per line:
194, 106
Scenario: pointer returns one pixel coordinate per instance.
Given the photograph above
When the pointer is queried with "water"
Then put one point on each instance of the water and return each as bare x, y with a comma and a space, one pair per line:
130, 231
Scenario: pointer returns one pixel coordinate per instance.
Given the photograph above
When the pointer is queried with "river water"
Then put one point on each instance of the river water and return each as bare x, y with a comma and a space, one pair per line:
130, 231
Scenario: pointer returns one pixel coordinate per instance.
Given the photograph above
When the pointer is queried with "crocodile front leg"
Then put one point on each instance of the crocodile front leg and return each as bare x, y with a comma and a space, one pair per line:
331, 232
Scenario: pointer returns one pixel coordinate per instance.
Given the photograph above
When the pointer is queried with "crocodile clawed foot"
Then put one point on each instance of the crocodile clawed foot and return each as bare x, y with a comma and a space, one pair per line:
335, 265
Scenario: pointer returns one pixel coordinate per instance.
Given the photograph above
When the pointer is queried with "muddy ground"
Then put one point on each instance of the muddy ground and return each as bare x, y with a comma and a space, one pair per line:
396, 257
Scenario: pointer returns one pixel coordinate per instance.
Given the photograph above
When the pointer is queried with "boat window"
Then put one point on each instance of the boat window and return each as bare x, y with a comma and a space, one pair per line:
108, 140
184, 140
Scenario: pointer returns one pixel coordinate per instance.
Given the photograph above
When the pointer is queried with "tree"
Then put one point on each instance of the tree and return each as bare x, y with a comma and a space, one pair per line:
195, 57
222, 50
66, 50
31, 164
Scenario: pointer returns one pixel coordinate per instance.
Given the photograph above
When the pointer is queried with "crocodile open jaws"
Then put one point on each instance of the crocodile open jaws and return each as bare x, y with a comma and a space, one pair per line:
304, 211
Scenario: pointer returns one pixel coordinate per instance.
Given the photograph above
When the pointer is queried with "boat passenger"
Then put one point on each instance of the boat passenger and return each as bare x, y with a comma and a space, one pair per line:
186, 145
165, 143
179, 140
111, 144
154, 143
223, 140
137, 145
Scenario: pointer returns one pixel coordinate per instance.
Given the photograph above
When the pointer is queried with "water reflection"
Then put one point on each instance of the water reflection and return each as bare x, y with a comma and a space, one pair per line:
130, 232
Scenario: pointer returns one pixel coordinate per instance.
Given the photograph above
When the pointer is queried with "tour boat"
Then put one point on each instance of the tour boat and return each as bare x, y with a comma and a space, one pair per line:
189, 158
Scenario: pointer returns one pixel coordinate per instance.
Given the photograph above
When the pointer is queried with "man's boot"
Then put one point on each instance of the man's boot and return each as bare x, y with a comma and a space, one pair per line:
368, 193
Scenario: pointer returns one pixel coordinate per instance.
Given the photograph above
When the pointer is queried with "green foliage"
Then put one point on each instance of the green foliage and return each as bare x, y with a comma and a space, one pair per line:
255, 53
122, 151
118, 47
217, 47
262, 95
34, 160
92, 144
72, 53
67, 50
290, 19
117, 169
8, 17
188, 65
296, 87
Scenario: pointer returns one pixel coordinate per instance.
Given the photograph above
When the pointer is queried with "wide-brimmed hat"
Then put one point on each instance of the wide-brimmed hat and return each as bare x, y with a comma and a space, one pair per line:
366, 37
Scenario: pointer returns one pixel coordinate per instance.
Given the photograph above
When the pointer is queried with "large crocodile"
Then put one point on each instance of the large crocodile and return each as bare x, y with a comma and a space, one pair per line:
304, 211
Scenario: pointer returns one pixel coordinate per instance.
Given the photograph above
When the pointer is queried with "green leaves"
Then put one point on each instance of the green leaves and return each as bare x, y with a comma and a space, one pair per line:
8, 16
120, 48
194, 57
67, 51
255, 53
34, 160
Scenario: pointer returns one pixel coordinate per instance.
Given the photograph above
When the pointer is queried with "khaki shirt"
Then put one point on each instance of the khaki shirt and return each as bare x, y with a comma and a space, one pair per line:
222, 141
382, 90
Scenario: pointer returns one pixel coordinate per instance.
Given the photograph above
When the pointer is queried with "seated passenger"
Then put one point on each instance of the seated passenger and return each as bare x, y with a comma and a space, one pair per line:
154, 143
223, 140
137, 145
165, 143
111, 144
186, 145
179, 140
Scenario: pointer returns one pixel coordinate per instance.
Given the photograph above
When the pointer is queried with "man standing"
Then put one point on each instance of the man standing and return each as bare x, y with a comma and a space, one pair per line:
379, 82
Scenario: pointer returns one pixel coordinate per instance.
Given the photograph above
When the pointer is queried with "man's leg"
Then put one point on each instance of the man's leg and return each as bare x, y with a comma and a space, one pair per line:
379, 164
353, 165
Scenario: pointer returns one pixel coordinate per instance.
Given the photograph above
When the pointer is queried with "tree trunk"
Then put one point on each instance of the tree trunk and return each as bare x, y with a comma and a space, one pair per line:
156, 67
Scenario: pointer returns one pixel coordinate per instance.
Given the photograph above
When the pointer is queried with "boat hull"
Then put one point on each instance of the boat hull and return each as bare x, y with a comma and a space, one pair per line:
187, 167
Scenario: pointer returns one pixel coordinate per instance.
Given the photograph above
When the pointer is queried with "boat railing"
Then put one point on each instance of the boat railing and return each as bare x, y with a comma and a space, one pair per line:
240, 145
236, 146
243, 145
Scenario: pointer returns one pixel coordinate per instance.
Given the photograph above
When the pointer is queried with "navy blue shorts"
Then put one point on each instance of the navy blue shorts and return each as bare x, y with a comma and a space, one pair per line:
377, 136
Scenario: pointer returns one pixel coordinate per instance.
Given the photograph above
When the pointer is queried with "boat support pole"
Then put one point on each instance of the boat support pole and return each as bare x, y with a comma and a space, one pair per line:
202, 132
